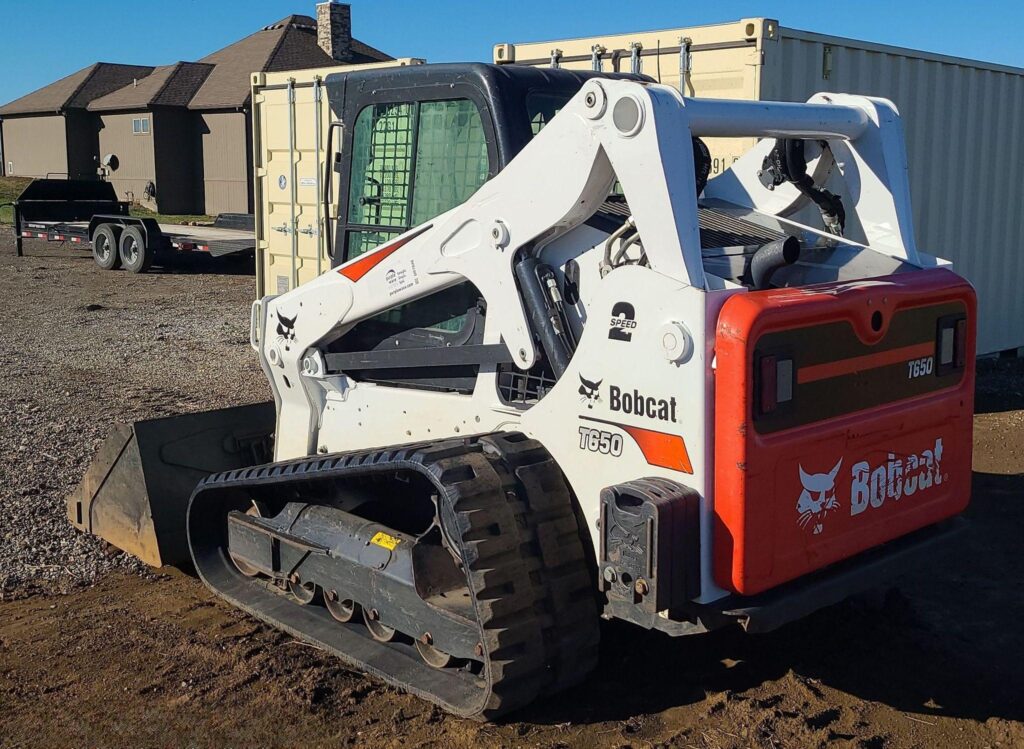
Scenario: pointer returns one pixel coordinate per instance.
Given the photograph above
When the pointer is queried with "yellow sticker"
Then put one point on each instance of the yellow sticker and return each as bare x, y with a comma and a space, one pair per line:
387, 541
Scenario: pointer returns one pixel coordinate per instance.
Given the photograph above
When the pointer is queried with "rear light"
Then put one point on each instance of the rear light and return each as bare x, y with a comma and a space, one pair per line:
951, 344
775, 382
947, 346
769, 384
961, 342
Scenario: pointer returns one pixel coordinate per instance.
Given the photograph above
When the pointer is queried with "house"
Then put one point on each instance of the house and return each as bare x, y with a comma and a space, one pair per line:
178, 137
148, 129
51, 132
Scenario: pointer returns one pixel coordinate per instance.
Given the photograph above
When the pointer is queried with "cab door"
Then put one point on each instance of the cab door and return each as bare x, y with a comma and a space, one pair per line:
408, 155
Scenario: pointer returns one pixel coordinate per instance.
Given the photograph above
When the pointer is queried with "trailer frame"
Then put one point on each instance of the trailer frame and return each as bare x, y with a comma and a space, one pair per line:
60, 210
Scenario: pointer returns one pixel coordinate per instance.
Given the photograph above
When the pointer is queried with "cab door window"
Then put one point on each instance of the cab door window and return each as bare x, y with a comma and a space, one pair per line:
410, 162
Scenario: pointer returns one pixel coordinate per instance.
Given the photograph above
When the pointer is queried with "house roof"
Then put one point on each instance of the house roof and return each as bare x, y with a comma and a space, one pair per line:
167, 86
289, 44
218, 81
77, 90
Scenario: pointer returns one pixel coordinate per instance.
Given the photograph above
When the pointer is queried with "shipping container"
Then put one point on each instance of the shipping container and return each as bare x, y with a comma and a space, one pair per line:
961, 119
291, 126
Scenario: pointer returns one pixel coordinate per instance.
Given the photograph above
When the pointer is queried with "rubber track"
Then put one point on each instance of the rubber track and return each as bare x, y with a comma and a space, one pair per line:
564, 589
518, 538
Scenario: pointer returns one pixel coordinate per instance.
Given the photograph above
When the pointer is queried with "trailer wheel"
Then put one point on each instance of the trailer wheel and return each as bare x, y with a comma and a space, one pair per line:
104, 248
136, 255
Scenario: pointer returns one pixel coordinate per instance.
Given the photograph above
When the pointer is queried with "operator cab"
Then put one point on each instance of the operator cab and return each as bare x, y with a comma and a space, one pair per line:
412, 143
417, 141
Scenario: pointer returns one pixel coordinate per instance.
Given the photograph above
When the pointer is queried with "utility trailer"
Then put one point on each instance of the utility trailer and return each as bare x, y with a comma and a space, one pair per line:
87, 212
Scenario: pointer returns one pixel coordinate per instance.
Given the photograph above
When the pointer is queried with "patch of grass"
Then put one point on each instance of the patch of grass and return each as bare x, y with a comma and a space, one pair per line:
168, 218
10, 188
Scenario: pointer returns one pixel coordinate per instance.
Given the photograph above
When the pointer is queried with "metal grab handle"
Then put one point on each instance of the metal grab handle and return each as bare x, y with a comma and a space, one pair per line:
254, 325
327, 187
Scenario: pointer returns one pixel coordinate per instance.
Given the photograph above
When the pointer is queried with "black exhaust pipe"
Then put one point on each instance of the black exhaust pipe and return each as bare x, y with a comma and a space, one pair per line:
770, 257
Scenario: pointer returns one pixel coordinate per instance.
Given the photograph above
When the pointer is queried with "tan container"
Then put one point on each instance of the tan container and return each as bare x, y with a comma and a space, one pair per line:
961, 119
291, 117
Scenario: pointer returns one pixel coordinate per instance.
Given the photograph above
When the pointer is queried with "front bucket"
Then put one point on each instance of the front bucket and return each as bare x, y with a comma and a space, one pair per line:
135, 493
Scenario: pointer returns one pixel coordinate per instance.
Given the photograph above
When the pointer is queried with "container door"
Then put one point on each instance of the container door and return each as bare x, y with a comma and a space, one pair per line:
292, 121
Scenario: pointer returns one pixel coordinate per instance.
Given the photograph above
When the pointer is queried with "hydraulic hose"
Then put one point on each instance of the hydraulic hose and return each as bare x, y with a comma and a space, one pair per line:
770, 257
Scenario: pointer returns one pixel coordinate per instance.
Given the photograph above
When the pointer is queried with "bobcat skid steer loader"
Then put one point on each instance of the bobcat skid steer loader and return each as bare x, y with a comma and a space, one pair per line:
556, 373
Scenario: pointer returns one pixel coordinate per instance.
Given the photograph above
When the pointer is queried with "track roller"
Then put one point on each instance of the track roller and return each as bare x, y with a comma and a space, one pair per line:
379, 632
344, 610
431, 655
304, 592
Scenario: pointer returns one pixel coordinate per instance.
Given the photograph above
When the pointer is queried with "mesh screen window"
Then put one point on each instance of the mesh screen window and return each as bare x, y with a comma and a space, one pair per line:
393, 190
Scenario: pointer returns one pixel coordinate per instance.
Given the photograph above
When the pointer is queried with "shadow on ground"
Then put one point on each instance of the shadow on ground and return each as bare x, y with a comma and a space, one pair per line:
946, 649
1000, 385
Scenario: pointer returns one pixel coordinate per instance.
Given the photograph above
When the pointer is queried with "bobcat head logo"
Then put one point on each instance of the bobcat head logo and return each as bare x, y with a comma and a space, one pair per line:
286, 330
589, 391
818, 497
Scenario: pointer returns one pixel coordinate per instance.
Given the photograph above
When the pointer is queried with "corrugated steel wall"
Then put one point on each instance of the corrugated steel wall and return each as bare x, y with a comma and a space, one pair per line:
725, 64
963, 130
36, 146
273, 160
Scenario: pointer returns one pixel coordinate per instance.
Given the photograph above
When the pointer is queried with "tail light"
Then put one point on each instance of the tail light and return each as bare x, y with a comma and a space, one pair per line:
961, 342
951, 344
774, 376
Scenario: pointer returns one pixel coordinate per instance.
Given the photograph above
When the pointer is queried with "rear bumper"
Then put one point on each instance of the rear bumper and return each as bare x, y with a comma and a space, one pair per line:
878, 568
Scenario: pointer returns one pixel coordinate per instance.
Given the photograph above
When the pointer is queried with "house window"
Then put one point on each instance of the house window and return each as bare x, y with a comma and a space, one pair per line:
140, 126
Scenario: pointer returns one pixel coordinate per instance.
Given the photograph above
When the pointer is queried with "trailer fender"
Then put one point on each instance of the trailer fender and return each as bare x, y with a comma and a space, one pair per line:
149, 227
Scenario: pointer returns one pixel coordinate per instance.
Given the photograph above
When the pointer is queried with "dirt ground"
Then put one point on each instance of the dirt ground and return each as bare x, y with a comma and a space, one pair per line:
95, 653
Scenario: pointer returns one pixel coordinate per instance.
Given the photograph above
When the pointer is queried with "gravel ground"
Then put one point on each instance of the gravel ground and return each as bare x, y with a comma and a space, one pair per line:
156, 660
82, 349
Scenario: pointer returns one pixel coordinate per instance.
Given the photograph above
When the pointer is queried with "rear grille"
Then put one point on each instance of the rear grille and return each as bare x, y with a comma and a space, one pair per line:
717, 228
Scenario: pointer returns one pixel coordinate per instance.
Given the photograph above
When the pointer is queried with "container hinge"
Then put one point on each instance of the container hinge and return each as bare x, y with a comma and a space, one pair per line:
634, 57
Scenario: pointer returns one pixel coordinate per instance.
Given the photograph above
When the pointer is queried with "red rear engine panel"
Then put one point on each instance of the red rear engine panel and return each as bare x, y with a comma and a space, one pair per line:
843, 419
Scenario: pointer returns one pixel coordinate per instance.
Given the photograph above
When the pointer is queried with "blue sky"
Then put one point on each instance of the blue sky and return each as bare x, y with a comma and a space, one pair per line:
35, 49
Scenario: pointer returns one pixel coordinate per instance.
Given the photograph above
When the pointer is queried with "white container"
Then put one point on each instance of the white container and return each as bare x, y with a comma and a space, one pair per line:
961, 119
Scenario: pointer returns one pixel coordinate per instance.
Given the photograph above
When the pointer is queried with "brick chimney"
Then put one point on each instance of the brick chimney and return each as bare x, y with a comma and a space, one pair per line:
334, 29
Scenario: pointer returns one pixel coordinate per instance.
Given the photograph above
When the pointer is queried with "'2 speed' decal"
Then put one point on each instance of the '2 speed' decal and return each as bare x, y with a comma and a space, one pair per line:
622, 322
